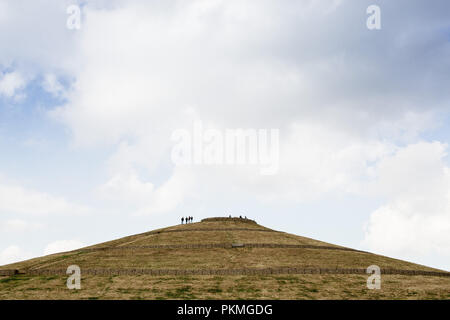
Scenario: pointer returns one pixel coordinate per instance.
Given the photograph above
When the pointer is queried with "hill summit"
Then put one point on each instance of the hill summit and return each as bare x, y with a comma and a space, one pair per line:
219, 258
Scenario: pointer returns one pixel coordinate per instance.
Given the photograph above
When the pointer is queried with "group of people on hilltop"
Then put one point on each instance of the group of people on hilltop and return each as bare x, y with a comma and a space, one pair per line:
187, 220
240, 217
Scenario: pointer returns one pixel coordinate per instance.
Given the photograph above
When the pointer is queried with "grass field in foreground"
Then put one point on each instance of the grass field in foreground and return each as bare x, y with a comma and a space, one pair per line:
226, 287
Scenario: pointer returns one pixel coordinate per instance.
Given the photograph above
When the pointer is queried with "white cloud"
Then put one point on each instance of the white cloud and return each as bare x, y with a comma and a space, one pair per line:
170, 194
37, 37
18, 200
141, 64
127, 187
144, 197
19, 226
62, 245
316, 159
415, 170
415, 222
11, 84
231, 63
3, 11
51, 84
13, 254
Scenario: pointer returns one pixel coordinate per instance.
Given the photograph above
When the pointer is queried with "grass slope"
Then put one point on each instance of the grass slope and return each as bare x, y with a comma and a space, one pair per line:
134, 255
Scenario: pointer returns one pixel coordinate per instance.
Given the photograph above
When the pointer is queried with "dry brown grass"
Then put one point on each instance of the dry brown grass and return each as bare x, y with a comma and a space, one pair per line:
221, 258
314, 286
226, 287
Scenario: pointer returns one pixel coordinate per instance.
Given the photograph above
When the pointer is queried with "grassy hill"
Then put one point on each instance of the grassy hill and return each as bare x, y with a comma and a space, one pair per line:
220, 258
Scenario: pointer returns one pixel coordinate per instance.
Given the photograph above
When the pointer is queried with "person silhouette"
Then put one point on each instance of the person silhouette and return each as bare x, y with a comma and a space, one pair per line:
182, 220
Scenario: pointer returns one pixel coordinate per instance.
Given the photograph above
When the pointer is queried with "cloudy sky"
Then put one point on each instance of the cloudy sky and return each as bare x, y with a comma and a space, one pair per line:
87, 115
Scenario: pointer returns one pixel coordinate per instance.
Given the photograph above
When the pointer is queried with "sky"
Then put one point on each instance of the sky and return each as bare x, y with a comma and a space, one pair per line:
87, 117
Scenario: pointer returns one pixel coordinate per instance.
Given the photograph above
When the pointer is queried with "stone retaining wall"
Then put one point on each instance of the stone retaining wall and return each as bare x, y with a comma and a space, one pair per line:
8, 272
211, 229
217, 245
242, 271
227, 219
